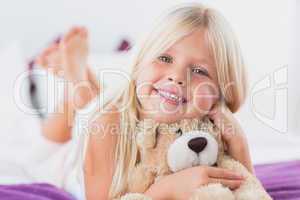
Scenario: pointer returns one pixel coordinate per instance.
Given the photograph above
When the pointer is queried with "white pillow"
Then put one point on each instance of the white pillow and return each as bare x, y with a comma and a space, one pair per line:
16, 126
14, 97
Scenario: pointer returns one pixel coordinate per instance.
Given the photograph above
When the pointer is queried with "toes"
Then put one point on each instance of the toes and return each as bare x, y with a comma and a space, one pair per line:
84, 32
40, 60
52, 48
75, 31
43, 59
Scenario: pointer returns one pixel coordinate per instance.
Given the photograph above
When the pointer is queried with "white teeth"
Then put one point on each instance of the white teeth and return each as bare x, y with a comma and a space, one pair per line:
170, 96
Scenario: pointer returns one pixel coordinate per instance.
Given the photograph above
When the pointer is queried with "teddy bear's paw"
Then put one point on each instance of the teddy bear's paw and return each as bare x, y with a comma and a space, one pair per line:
213, 192
146, 134
135, 196
229, 163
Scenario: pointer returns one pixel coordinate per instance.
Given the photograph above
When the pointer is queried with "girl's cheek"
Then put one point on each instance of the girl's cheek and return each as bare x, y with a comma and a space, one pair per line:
205, 97
147, 76
149, 72
144, 74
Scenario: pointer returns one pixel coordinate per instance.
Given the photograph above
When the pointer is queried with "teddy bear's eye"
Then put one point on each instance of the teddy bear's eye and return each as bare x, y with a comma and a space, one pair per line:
179, 132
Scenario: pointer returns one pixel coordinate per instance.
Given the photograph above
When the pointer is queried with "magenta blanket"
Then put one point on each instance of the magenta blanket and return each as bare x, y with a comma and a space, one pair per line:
281, 180
37, 191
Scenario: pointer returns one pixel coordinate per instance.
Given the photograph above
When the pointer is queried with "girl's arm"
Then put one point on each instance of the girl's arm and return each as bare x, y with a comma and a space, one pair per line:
182, 184
99, 158
233, 135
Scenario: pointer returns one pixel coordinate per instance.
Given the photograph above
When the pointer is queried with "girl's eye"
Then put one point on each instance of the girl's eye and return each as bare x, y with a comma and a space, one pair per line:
200, 70
166, 59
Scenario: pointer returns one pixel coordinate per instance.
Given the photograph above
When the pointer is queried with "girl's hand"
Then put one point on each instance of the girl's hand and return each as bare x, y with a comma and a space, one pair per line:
182, 184
232, 134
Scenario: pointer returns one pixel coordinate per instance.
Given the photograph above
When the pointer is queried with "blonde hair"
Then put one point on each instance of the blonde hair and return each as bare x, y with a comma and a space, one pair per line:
179, 22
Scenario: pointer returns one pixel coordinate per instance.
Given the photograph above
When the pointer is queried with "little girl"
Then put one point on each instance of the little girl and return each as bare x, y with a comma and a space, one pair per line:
188, 66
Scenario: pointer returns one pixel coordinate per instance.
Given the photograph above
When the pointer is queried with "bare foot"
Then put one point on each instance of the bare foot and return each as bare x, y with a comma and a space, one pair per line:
74, 52
50, 59
68, 57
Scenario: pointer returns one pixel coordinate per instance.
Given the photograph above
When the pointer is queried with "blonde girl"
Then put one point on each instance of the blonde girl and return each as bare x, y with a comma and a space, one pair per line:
190, 65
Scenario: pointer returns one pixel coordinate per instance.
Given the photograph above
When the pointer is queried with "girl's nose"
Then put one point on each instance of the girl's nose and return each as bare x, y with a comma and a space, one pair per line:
179, 81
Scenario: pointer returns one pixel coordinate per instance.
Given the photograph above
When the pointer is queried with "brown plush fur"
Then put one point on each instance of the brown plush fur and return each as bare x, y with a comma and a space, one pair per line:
153, 141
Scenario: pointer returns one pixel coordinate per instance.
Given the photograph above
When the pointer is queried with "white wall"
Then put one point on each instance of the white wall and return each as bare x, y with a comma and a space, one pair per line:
34, 21
294, 63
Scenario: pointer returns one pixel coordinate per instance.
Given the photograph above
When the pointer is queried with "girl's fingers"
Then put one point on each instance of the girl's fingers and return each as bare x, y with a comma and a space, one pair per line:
232, 184
220, 111
215, 112
216, 115
223, 174
224, 120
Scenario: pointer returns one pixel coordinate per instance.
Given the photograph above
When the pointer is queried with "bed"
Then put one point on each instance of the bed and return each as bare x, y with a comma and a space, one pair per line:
280, 176
37, 191
281, 180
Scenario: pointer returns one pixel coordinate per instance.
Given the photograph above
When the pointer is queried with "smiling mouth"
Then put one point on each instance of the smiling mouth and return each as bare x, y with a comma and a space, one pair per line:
170, 97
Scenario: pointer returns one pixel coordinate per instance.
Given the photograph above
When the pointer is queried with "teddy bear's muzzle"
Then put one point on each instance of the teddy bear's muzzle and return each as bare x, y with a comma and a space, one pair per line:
193, 148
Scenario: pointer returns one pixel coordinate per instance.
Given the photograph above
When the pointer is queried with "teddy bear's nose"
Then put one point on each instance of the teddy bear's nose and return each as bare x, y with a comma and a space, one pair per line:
197, 144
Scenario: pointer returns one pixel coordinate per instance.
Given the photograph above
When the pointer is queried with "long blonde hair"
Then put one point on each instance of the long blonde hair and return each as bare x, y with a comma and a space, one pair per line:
177, 23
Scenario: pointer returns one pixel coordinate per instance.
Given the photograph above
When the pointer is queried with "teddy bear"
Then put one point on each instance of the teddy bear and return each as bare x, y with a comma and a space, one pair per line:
167, 148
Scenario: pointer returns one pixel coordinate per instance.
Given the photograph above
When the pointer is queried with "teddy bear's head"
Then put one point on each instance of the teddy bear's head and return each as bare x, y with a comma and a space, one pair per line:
166, 148
172, 147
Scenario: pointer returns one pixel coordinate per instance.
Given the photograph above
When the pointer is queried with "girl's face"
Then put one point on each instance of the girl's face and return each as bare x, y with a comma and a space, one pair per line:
180, 83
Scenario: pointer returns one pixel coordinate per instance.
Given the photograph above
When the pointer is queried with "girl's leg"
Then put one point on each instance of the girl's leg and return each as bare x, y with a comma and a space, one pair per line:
68, 59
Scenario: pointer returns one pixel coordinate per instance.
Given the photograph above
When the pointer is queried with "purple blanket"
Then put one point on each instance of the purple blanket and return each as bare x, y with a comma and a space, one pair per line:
281, 180
38, 191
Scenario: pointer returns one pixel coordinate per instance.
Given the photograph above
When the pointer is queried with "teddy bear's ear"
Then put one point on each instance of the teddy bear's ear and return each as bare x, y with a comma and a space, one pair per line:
208, 125
147, 131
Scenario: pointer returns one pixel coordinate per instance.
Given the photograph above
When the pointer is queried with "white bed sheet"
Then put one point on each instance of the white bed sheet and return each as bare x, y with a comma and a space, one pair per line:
271, 147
